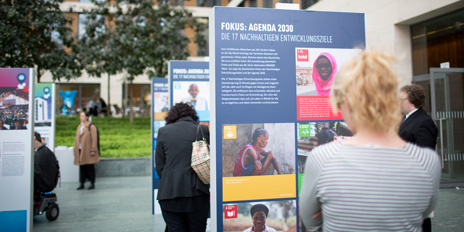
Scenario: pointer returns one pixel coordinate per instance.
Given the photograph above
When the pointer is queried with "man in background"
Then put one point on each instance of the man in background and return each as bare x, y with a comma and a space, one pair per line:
417, 127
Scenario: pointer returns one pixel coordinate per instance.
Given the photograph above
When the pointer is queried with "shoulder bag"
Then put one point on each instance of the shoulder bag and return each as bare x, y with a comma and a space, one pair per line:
200, 157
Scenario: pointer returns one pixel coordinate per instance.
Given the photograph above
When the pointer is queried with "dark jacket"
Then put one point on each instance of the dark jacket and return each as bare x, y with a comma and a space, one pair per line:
46, 169
173, 157
419, 129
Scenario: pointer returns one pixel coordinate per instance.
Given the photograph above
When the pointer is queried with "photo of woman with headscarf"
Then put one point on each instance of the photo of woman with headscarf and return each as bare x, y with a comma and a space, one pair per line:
316, 68
324, 70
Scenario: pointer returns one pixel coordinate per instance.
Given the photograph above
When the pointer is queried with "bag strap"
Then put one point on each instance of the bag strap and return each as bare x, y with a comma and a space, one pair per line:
202, 135
90, 132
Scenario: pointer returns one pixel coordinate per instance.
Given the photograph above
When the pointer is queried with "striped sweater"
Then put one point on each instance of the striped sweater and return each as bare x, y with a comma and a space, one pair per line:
369, 187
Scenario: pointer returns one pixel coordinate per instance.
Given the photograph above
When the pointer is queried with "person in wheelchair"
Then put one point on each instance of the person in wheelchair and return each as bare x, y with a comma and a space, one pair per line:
46, 174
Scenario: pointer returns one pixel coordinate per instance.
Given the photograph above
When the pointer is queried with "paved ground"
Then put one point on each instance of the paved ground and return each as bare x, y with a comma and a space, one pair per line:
124, 204
117, 204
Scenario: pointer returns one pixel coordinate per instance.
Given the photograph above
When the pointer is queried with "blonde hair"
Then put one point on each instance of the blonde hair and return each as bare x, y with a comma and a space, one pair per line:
370, 86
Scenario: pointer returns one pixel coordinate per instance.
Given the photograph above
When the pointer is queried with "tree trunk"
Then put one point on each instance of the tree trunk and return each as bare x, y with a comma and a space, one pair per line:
38, 75
131, 99
108, 105
125, 99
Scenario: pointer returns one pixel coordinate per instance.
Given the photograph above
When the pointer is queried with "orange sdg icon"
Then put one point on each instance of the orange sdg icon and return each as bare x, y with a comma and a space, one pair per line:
230, 132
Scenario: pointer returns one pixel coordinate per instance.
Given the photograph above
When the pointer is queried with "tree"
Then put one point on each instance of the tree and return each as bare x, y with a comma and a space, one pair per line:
138, 38
288, 208
35, 33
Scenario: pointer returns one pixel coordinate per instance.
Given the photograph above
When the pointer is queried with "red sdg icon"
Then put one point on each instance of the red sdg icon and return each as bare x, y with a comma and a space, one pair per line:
302, 55
230, 211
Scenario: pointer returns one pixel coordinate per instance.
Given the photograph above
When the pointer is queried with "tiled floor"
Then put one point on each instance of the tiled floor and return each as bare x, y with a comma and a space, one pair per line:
124, 204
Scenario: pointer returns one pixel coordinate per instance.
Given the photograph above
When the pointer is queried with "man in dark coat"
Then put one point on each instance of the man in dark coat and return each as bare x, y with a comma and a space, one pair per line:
417, 127
46, 167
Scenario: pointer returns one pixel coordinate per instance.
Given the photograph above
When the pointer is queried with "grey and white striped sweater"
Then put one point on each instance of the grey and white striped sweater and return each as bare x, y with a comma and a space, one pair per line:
369, 188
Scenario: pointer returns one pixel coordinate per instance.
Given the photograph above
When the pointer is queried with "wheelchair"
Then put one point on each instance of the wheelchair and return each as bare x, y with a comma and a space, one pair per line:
46, 202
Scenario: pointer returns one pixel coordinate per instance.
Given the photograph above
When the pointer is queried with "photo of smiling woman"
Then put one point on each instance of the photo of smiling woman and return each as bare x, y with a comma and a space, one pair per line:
324, 70
260, 216
316, 67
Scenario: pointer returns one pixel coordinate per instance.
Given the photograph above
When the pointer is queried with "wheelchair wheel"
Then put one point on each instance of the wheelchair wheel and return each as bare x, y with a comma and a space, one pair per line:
52, 212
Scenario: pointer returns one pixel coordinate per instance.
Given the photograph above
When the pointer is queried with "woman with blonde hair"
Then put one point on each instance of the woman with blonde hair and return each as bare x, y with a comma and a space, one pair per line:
373, 181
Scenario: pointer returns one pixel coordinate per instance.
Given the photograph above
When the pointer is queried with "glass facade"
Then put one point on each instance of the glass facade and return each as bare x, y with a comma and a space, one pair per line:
437, 41
208, 3
85, 92
141, 101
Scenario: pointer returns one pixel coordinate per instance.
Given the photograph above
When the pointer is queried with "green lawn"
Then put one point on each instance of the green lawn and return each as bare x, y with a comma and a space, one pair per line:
118, 138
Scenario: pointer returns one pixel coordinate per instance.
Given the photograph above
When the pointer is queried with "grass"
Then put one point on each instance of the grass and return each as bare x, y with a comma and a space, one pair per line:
118, 138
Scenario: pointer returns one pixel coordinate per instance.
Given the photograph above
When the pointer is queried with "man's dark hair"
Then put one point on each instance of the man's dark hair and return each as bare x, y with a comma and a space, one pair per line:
181, 110
37, 136
416, 94
258, 132
259, 208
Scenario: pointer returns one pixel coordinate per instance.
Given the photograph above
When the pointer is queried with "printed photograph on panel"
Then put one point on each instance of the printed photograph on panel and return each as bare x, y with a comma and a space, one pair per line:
258, 149
269, 216
161, 102
195, 93
316, 68
313, 134
43, 106
14, 101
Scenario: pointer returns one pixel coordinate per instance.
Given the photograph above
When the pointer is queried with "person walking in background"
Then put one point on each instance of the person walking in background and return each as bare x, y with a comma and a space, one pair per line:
183, 198
86, 151
417, 127
324, 70
92, 106
375, 180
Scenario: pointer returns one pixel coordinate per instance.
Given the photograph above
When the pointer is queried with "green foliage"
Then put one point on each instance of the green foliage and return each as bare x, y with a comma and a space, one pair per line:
26, 40
135, 37
118, 137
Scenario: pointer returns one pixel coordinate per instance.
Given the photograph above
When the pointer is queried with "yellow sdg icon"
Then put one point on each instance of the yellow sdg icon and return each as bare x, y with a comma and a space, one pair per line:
230, 132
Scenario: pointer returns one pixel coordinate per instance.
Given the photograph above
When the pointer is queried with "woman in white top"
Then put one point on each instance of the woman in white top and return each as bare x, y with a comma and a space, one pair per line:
374, 181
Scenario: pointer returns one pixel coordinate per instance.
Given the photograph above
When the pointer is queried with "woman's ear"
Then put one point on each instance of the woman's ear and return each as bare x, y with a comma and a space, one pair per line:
347, 105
